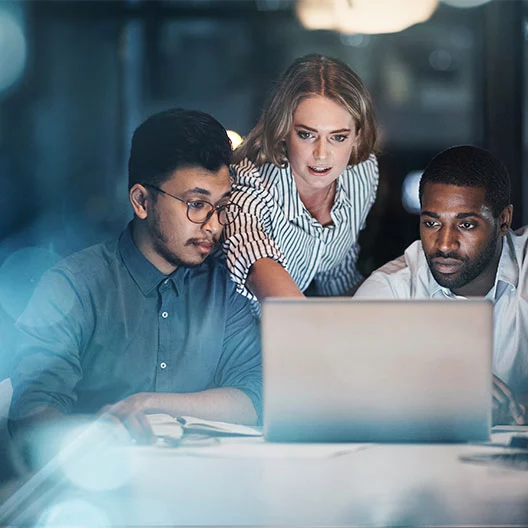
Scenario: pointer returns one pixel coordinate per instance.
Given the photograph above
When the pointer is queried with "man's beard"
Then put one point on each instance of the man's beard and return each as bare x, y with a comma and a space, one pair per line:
468, 272
160, 244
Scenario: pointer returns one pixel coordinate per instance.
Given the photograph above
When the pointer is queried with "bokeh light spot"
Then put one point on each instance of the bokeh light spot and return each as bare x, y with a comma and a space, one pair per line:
99, 461
235, 137
410, 192
20, 274
73, 513
13, 50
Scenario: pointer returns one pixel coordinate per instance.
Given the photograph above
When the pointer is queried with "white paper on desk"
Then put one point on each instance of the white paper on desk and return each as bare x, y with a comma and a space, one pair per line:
262, 449
165, 426
190, 423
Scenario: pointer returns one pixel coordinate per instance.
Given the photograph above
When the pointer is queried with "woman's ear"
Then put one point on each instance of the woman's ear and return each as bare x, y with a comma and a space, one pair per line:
139, 197
354, 154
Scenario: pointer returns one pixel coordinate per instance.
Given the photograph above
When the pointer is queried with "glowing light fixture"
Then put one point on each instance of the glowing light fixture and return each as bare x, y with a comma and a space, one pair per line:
316, 14
235, 137
364, 16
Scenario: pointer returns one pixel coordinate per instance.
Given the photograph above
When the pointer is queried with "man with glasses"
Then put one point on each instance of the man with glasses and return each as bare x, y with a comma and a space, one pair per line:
147, 323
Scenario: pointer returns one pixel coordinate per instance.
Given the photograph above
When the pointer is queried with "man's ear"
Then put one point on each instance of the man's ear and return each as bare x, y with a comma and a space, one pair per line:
505, 219
139, 198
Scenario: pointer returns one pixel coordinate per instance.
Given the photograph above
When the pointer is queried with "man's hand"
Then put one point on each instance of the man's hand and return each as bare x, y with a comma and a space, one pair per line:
131, 412
225, 404
506, 409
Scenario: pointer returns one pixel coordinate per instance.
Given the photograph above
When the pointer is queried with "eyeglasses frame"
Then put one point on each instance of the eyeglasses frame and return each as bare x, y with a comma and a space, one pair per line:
215, 208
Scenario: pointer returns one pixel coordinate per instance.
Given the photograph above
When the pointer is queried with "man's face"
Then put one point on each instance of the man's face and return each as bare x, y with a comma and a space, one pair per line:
175, 240
460, 237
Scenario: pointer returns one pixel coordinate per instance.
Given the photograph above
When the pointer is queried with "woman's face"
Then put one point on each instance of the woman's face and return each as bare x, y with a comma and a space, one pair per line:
319, 142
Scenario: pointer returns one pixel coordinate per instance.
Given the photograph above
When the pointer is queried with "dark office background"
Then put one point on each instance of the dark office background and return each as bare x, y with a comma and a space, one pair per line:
76, 78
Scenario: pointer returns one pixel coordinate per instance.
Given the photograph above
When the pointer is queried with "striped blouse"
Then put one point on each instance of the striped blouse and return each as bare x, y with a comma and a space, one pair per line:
274, 223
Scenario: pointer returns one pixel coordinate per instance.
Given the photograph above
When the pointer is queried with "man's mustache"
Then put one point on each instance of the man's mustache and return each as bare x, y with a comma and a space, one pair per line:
213, 241
448, 255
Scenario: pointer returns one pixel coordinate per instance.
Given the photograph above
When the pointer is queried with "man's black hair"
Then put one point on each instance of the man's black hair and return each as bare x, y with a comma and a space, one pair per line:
175, 139
469, 166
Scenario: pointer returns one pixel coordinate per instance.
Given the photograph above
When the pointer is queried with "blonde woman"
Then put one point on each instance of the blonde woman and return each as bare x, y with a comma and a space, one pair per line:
305, 179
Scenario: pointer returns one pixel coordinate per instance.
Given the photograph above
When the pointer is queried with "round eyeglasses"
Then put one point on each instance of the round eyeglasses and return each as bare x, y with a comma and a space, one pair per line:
200, 211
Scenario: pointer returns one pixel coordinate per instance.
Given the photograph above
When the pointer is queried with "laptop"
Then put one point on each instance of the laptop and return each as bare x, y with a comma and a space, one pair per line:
362, 370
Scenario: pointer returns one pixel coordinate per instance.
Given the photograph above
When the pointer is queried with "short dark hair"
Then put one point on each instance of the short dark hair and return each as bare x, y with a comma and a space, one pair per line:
175, 139
469, 166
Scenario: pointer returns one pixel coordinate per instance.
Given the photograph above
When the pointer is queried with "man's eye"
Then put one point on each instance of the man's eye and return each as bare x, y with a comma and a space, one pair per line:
340, 138
303, 134
467, 225
430, 223
197, 205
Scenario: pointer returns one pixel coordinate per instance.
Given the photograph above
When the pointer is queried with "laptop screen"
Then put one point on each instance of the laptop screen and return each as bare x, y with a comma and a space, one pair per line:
345, 369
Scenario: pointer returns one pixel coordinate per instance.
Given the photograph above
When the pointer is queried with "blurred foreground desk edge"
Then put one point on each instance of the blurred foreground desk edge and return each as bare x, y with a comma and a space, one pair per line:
246, 482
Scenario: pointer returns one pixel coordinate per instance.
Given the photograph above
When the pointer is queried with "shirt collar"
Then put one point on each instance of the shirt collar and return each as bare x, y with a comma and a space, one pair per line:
144, 273
435, 288
508, 270
293, 206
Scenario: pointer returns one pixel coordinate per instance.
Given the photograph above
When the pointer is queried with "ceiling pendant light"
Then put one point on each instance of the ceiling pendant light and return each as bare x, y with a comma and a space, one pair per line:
364, 16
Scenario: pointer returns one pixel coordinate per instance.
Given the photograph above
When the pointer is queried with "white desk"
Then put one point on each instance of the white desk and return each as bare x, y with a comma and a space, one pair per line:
377, 485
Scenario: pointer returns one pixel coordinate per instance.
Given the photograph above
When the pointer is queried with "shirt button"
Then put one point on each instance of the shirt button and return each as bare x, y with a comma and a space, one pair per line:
163, 365
164, 315
166, 281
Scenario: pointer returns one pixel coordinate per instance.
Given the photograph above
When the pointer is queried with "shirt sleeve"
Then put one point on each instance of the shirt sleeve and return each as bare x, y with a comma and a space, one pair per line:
376, 287
248, 238
240, 363
47, 364
385, 282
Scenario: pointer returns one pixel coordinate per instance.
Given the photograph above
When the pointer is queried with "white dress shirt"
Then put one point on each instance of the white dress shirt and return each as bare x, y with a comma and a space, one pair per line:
274, 223
409, 277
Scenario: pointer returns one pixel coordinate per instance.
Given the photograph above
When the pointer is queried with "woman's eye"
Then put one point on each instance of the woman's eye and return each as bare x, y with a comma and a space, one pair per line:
340, 138
303, 134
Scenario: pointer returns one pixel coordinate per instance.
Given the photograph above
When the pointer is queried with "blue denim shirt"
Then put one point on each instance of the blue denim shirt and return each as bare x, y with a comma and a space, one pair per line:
105, 324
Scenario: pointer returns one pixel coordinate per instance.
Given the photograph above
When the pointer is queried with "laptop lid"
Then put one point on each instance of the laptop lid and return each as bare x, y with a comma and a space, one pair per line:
361, 370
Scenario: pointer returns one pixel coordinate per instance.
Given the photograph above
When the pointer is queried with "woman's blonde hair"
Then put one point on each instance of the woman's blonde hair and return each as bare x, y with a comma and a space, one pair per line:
308, 76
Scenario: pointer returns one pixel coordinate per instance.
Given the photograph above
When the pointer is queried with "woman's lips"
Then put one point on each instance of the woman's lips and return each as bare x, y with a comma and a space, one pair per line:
319, 171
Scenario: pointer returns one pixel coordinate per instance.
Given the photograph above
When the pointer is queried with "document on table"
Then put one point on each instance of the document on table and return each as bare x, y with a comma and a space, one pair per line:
170, 431
226, 440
